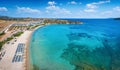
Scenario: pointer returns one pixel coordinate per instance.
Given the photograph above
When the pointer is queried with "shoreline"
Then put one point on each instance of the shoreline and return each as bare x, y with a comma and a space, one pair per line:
27, 62
27, 54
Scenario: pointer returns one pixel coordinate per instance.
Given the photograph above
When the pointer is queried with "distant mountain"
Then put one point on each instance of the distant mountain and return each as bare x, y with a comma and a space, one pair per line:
7, 18
117, 18
13, 18
4, 17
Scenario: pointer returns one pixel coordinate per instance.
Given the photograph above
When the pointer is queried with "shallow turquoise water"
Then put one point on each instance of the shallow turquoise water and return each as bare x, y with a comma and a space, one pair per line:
94, 45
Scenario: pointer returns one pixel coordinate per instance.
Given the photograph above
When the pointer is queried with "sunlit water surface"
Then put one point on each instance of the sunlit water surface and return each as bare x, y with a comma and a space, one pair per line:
94, 45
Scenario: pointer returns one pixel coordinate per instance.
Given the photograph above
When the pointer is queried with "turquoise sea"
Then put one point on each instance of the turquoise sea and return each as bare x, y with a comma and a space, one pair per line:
93, 45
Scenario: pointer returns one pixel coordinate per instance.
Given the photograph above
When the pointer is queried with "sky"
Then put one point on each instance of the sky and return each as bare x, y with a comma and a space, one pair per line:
60, 8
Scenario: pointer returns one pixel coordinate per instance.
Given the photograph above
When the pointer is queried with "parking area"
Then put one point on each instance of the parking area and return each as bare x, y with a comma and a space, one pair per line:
18, 57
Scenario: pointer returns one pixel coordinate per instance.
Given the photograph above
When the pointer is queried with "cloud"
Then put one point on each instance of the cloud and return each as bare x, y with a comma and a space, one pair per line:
106, 12
95, 4
57, 10
91, 7
117, 8
3, 9
112, 12
90, 10
27, 10
72, 2
51, 3
101, 2
52, 8
47, 11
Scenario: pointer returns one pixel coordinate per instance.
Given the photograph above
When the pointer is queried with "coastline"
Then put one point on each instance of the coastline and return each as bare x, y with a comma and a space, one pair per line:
7, 59
27, 54
28, 65
27, 62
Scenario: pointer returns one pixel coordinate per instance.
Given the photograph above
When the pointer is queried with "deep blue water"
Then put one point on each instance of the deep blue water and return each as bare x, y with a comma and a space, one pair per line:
93, 45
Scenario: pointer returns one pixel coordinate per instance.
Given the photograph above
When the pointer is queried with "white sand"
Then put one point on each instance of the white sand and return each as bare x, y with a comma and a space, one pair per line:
6, 62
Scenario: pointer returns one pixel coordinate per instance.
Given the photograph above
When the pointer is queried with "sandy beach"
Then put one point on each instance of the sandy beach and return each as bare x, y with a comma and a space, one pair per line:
10, 49
27, 64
